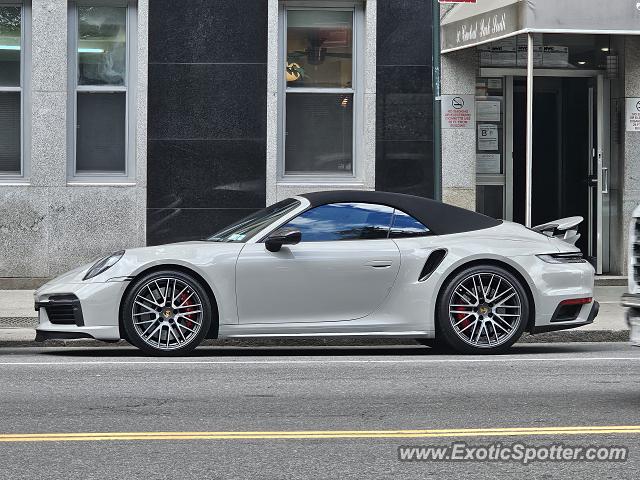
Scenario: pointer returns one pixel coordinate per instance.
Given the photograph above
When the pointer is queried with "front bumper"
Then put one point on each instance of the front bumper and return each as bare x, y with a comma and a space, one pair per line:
79, 310
632, 301
580, 321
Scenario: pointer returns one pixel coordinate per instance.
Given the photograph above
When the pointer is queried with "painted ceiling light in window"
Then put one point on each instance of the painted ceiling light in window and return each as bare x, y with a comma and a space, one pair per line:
294, 72
102, 33
320, 43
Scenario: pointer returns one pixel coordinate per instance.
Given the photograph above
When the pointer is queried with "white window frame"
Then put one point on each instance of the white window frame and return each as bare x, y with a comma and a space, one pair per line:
357, 89
25, 93
129, 175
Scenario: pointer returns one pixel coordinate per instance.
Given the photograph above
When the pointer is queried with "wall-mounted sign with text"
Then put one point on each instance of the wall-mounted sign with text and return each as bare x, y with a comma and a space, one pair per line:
481, 28
632, 115
458, 111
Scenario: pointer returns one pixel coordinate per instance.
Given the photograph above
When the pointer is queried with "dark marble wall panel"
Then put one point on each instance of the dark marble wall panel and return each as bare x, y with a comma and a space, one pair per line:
404, 103
202, 173
208, 31
404, 32
405, 167
207, 113
182, 224
189, 101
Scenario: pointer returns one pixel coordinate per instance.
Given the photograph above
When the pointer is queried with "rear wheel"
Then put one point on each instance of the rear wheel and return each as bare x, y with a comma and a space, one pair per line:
482, 309
166, 313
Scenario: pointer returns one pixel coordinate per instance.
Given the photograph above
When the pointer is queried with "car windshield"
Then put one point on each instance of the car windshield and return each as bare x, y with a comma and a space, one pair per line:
244, 229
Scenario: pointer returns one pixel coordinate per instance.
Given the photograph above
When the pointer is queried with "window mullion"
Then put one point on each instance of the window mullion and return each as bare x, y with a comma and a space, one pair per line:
320, 90
100, 89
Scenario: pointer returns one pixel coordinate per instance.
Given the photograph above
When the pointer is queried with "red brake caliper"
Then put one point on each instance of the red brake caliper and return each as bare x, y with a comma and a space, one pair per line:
186, 301
460, 316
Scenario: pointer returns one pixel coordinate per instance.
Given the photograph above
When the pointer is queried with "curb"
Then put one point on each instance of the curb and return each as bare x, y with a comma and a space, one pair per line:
611, 281
586, 336
18, 322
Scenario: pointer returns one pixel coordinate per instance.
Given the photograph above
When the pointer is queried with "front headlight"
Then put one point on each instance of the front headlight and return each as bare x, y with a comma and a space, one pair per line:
570, 257
104, 264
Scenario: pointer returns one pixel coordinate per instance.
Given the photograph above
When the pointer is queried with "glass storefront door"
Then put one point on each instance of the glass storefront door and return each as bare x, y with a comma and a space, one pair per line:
569, 172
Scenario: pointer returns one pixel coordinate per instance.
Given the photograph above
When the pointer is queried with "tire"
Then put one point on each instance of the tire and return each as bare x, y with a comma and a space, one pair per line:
435, 346
486, 319
166, 313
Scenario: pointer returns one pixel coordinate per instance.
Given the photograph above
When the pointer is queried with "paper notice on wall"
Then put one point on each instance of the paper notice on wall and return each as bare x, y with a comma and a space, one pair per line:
632, 114
485, 58
487, 137
494, 84
523, 58
553, 56
503, 56
488, 111
488, 163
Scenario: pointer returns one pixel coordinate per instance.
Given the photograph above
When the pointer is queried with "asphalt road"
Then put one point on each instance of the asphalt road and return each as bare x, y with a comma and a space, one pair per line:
355, 406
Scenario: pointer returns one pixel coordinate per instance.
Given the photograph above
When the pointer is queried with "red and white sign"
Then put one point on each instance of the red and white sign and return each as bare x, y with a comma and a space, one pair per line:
458, 111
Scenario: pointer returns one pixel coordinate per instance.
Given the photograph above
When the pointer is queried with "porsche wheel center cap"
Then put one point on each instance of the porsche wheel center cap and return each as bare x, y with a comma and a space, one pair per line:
167, 313
483, 310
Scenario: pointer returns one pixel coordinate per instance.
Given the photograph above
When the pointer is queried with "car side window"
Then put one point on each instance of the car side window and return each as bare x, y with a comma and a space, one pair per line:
405, 226
344, 221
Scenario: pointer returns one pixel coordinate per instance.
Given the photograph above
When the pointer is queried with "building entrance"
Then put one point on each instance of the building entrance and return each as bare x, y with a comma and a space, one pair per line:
569, 174
563, 153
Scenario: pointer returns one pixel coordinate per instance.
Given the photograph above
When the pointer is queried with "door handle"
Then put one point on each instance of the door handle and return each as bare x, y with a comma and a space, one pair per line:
605, 180
380, 263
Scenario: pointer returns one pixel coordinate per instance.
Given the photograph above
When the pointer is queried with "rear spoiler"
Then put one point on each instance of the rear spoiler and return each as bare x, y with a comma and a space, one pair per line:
565, 229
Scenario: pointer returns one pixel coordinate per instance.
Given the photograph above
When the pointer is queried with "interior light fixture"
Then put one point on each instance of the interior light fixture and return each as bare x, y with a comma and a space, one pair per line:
582, 62
605, 49
9, 47
90, 50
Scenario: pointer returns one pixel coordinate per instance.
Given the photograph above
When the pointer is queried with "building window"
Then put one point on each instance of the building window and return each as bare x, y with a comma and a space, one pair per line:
101, 72
12, 57
322, 93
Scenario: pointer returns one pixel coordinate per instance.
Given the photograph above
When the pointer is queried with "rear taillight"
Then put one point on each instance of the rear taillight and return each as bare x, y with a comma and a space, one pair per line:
570, 257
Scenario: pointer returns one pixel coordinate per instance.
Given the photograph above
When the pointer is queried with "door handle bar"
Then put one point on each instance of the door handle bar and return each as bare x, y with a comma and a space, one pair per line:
380, 263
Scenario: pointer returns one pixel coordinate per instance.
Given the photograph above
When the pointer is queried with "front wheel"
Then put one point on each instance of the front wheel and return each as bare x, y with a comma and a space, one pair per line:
166, 313
482, 309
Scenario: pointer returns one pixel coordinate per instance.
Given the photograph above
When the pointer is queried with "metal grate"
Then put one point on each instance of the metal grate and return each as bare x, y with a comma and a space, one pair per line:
61, 314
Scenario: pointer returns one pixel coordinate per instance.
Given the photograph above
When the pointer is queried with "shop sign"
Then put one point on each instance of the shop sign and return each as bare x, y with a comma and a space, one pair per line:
458, 111
633, 115
481, 28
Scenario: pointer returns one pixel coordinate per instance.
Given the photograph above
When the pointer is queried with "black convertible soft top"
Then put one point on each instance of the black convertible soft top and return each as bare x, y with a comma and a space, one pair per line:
440, 218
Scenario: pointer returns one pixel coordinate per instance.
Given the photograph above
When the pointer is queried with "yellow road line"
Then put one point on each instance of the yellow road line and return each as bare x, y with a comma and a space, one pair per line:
321, 434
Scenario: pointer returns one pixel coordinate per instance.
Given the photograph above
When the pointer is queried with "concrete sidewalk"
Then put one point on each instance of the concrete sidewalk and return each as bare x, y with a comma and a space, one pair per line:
18, 320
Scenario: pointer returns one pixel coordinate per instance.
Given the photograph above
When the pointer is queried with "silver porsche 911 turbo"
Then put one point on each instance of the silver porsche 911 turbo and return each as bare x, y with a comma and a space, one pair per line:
329, 264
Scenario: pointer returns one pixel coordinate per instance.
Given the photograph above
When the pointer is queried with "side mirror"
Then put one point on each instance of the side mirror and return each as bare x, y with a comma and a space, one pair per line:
282, 236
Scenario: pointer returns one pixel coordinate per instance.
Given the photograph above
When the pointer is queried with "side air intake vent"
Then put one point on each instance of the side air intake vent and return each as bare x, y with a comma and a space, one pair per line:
435, 258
